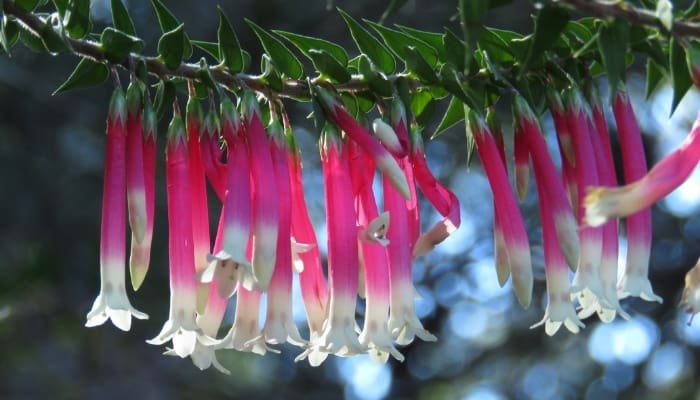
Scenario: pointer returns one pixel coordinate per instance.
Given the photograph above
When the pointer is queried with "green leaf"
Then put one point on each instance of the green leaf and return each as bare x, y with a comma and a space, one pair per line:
168, 22
471, 16
77, 18
210, 48
26, 5
680, 76
496, 47
654, 76
369, 45
87, 73
375, 80
52, 40
417, 64
121, 18
453, 115
165, 95
450, 81
612, 42
550, 23
171, 47
326, 64
306, 43
32, 42
117, 45
398, 41
423, 106
394, 6
61, 6
229, 47
280, 55
455, 49
435, 40
270, 74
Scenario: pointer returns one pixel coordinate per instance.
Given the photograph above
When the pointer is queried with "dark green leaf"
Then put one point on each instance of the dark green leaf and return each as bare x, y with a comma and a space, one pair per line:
423, 106
350, 104
369, 45
453, 115
550, 23
680, 76
365, 101
52, 40
229, 47
496, 47
417, 64
612, 42
450, 81
168, 22
654, 76
121, 18
471, 16
693, 10
171, 47
87, 73
32, 42
26, 5
270, 73
394, 6
326, 64
280, 55
210, 48
77, 18
397, 41
435, 40
305, 44
375, 80
61, 6
117, 45
10, 32
455, 49
653, 49
165, 95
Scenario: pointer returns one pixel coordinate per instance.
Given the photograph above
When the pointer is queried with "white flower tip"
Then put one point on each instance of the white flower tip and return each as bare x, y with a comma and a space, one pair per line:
387, 136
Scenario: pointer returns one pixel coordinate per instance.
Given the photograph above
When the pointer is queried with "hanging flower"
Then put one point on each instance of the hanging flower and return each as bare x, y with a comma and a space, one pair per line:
500, 251
112, 302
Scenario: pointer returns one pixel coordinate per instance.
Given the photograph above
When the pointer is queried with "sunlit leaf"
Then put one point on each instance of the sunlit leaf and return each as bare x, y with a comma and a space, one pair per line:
306, 43
281, 56
86, 74
398, 41
328, 65
453, 115
369, 45
77, 18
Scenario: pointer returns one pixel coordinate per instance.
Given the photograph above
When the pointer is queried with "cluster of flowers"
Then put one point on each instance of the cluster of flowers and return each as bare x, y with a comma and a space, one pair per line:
265, 236
264, 232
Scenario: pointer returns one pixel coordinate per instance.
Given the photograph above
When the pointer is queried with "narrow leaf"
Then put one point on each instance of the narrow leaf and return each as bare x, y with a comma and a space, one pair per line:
280, 55
210, 48
453, 115
326, 64
471, 15
654, 76
455, 49
398, 41
435, 40
168, 22
306, 43
417, 64
171, 47
229, 47
61, 6
550, 23
87, 73
394, 6
27, 5
369, 45
613, 42
680, 76
376, 81
121, 18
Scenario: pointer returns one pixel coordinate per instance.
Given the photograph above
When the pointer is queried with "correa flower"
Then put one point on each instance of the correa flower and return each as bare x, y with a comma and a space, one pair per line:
514, 233
230, 265
112, 302
500, 251
245, 334
522, 162
181, 326
212, 154
690, 300
265, 213
375, 333
135, 183
201, 242
338, 335
279, 324
635, 281
140, 256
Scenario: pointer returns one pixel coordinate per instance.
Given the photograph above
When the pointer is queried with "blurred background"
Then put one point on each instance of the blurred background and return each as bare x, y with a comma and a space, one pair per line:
51, 158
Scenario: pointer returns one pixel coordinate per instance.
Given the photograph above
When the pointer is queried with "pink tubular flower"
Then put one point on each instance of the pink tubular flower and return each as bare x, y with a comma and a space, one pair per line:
522, 163
566, 150
230, 265
375, 333
338, 336
265, 198
279, 324
181, 326
245, 334
444, 201
690, 300
214, 168
141, 251
500, 251
514, 233
135, 185
313, 285
634, 281
382, 158
112, 302
200, 210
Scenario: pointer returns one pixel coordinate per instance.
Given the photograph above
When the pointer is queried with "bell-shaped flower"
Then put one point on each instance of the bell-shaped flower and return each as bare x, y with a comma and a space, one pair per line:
245, 334
514, 233
181, 326
112, 302
140, 256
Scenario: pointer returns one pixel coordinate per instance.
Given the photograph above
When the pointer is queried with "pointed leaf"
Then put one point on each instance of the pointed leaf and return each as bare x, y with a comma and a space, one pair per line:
453, 115
423, 106
550, 23
117, 45
26, 5
376, 81
87, 73
417, 64
121, 18
61, 6
369, 45
455, 49
612, 43
229, 47
168, 22
471, 15
433, 39
326, 64
52, 40
165, 95
397, 41
306, 43
394, 6
210, 48
680, 76
280, 55
77, 18
171, 47
654, 76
